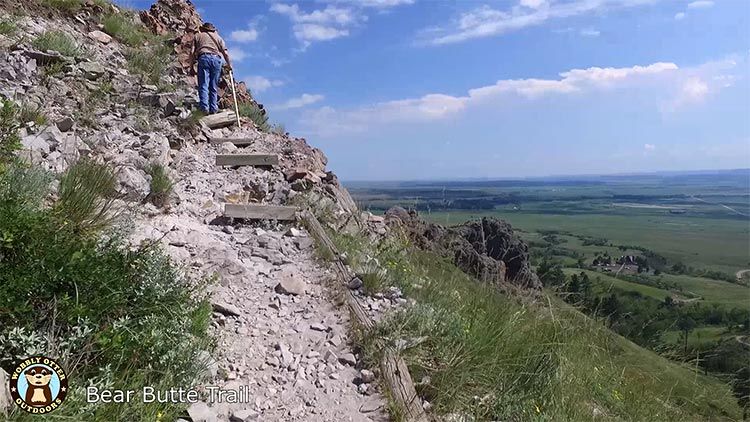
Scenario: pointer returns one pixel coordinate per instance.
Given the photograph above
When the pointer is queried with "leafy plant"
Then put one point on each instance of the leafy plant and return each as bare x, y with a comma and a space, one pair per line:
256, 114
161, 185
32, 114
57, 41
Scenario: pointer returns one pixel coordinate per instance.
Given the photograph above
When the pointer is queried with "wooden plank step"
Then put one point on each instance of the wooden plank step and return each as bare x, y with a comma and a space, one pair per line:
260, 212
247, 160
235, 141
219, 120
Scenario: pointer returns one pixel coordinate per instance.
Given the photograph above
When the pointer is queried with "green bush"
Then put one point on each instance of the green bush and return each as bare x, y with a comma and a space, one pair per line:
278, 129
10, 142
161, 185
113, 315
67, 6
149, 62
256, 114
57, 41
7, 27
125, 29
29, 114
86, 195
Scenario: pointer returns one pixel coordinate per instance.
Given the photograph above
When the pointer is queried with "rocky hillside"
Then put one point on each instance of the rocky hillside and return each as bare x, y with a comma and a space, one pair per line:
84, 81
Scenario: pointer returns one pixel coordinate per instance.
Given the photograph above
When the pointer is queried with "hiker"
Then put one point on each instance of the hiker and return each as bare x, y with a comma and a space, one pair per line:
208, 52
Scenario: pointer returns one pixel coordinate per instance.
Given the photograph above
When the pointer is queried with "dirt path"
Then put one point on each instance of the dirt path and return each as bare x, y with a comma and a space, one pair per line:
285, 349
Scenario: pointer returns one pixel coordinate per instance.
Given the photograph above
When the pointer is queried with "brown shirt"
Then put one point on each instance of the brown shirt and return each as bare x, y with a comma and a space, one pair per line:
205, 45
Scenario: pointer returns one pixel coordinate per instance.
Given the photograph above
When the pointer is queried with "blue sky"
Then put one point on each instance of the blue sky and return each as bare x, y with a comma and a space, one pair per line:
409, 89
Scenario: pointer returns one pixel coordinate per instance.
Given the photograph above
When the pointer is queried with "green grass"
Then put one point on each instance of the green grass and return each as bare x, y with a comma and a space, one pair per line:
57, 41
254, 113
8, 27
66, 6
698, 337
161, 186
10, 141
123, 28
29, 114
149, 62
496, 357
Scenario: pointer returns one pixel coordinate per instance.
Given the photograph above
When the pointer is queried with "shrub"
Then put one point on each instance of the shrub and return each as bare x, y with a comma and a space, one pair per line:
122, 27
256, 114
57, 41
7, 27
278, 129
67, 6
161, 185
86, 195
9, 139
113, 315
29, 114
149, 62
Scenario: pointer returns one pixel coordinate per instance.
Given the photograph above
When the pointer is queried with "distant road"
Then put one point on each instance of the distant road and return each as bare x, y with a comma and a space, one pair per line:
716, 203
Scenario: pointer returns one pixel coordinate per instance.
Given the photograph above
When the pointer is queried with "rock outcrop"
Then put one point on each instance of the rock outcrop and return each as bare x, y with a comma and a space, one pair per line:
487, 249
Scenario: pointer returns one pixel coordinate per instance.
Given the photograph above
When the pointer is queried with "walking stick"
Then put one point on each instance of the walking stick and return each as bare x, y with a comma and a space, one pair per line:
234, 94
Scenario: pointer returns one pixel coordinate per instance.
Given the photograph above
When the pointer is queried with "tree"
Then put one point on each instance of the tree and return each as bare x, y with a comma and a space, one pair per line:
686, 325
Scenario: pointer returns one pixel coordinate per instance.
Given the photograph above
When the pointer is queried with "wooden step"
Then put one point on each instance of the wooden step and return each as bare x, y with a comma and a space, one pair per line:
247, 160
219, 120
260, 212
235, 141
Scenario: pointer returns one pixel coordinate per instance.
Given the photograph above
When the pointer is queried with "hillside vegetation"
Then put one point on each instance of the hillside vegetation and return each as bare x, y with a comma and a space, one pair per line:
478, 353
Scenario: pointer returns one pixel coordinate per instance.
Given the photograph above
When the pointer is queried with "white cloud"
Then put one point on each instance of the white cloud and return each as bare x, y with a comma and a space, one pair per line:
700, 4
649, 147
301, 101
244, 35
484, 21
260, 84
590, 32
375, 4
440, 106
679, 16
237, 54
319, 25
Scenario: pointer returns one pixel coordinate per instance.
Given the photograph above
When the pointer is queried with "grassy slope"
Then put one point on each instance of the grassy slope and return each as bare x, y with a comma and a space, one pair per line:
495, 357
719, 244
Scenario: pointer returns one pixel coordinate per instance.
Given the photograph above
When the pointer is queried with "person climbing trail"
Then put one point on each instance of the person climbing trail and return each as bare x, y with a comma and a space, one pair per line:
211, 53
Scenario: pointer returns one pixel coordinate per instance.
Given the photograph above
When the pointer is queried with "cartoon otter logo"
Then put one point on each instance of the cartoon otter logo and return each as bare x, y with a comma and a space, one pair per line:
38, 385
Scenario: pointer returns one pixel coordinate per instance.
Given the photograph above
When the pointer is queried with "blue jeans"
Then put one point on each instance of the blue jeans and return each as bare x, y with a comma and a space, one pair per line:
209, 73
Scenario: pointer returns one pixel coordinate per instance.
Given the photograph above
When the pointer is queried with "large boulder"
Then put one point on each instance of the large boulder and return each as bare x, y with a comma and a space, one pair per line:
486, 249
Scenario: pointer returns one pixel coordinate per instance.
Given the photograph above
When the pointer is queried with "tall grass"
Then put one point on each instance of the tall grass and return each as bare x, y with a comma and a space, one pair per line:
123, 28
66, 6
161, 185
10, 142
86, 196
149, 62
256, 114
57, 41
8, 27
489, 356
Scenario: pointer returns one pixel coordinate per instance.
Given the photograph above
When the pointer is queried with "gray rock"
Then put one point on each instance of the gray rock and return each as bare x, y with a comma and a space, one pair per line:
318, 327
366, 376
355, 283
243, 415
225, 309
200, 412
64, 124
348, 359
100, 36
290, 284
92, 70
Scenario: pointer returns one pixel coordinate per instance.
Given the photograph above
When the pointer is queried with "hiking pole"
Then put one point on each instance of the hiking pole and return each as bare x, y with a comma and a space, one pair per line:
234, 94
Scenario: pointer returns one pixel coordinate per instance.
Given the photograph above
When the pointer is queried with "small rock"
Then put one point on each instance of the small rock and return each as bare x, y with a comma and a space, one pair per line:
363, 388
348, 359
318, 327
294, 232
200, 412
92, 70
426, 406
64, 124
100, 36
243, 415
366, 376
290, 284
226, 309
355, 283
